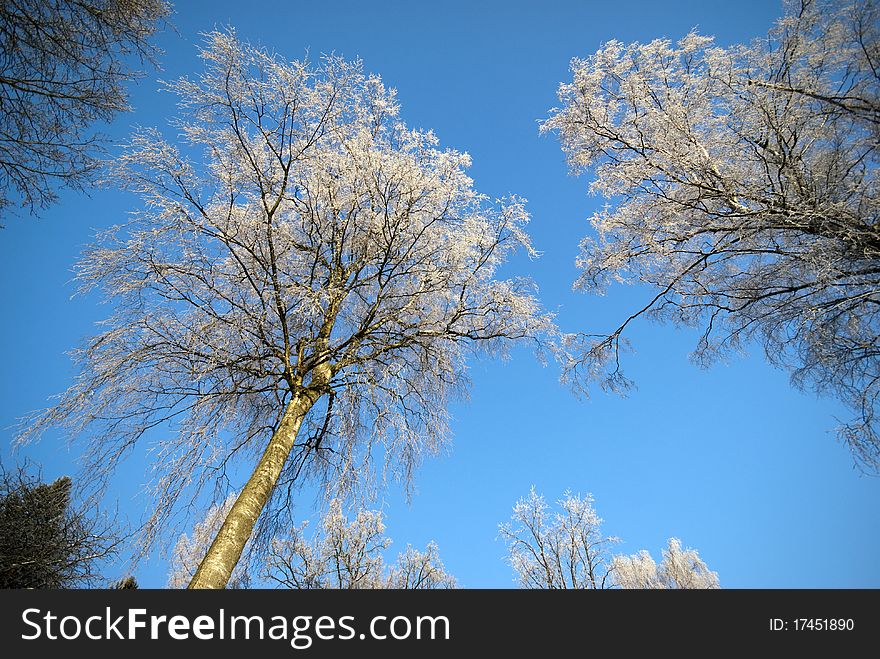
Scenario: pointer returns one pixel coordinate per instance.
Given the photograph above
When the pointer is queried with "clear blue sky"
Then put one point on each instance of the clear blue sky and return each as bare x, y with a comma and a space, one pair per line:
731, 460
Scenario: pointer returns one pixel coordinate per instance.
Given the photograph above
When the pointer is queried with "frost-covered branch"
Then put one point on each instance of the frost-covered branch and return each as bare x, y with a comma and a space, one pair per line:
680, 568
566, 549
745, 188
349, 554
300, 291
558, 550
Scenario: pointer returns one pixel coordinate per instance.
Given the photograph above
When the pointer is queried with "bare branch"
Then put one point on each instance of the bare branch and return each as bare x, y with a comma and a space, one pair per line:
63, 69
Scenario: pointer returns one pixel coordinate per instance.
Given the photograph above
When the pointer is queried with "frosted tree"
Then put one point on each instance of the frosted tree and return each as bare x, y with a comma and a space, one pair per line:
64, 66
300, 291
680, 568
189, 550
563, 549
420, 570
349, 554
566, 549
745, 192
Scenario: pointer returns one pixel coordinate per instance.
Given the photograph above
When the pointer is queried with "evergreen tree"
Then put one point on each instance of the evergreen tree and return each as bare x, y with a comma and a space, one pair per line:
44, 541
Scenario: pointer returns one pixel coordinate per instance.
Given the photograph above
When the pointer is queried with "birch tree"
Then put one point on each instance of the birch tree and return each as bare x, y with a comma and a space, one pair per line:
301, 288
566, 548
420, 570
558, 550
189, 550
349, 553
679, 569
63, 67
744, 193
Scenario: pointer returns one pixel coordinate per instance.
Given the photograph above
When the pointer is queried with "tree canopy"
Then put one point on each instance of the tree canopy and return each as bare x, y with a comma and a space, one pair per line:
744, 191
565, 548
348, 553
304, 284
64, 66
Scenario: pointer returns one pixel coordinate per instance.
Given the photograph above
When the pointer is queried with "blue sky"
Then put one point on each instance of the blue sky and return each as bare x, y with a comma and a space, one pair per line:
731, 459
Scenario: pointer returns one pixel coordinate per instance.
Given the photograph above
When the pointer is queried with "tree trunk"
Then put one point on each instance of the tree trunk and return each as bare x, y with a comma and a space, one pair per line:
216, 568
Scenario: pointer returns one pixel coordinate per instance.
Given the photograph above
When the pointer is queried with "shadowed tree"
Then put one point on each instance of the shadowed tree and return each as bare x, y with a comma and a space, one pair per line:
45, 542
348, 554
128, 583
302, 288
744, 184
63, 66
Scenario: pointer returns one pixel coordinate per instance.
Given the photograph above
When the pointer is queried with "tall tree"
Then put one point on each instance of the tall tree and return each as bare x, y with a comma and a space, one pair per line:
566, 549
303, 288
348, 553
64, 66
744, 184
45, 541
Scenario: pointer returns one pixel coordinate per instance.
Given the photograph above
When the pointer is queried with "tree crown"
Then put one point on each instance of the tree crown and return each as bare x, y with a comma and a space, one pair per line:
301, 238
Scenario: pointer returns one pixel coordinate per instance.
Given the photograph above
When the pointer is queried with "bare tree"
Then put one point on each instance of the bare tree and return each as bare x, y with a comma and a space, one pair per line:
305, 295
559, 550
566, 549
45, 540
745, 191
349, 554
64, 66
679, 569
